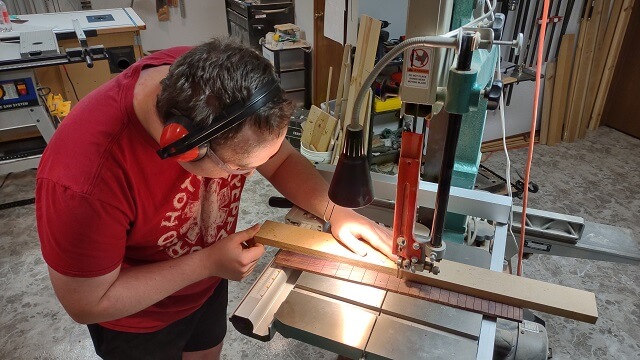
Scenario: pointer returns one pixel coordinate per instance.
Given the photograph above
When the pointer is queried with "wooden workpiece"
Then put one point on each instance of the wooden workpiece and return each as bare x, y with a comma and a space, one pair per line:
465, 279
391, 283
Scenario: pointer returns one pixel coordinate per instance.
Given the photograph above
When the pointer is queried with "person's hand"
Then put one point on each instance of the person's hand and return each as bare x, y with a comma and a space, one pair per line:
235, 256
348, 227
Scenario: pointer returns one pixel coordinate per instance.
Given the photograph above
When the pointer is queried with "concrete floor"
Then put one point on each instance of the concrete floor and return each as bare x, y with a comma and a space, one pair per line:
594, 178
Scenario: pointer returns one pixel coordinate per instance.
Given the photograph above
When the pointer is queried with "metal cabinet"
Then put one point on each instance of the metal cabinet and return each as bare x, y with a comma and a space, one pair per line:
293, 67
250, 22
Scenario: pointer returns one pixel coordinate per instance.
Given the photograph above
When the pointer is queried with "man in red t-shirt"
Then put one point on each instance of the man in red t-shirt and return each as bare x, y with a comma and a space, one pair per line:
139, 246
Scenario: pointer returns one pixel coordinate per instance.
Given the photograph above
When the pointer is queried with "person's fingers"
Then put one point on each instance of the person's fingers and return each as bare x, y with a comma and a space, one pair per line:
247, 234
250, 270
249, 243
352, 243
253, 253
253, 266
378, 237
384, 244
385, 230
385, 234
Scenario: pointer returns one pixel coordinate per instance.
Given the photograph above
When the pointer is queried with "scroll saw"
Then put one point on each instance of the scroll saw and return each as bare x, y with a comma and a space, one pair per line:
358, 321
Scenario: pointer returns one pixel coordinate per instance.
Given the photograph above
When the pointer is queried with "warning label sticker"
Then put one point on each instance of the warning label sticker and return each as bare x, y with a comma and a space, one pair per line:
418, 67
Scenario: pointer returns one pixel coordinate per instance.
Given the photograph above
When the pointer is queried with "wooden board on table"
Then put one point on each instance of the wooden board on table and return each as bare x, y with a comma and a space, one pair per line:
612, 59
560, 89
549, 80
469, 280
584, 68
383, 281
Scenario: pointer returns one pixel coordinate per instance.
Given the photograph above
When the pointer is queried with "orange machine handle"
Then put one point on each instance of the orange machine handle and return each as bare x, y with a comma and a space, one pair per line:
404, 216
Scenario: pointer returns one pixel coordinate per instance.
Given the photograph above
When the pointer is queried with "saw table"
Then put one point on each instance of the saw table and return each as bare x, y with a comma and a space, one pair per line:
30, 59
321, 307
357, 320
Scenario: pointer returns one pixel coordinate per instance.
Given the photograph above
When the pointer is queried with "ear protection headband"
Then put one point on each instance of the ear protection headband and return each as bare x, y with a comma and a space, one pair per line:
185, 144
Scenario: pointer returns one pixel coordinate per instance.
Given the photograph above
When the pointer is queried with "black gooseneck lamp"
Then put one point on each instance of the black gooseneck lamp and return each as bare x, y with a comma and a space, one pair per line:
351, 183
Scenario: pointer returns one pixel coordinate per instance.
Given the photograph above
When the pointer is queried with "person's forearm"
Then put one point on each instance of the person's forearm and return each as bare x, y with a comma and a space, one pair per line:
139, 287
300, 182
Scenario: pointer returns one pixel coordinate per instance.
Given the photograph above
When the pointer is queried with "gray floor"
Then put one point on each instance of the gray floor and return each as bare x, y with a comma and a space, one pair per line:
595, 178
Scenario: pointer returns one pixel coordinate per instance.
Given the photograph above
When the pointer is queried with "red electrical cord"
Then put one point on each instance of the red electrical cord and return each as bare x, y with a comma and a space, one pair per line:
532, 131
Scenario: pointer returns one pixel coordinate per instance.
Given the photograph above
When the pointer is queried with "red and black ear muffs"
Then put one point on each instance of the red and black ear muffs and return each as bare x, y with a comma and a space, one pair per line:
175, 129
179, 140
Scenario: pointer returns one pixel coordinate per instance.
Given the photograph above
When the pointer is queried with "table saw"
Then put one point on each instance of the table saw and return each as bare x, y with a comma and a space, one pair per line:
32, 57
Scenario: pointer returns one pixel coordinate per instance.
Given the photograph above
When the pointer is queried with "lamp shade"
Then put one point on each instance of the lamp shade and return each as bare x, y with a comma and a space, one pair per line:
351, 183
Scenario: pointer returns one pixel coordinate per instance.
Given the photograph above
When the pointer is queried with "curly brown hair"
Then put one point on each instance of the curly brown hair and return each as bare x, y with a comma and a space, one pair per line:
212, 76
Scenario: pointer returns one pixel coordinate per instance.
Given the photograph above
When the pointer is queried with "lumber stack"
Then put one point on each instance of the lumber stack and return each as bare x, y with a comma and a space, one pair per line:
574, 102
363, 63
611, 51
560, 89
513, 142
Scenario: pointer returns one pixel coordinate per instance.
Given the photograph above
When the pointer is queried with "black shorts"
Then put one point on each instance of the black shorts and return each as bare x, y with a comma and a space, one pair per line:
202, 330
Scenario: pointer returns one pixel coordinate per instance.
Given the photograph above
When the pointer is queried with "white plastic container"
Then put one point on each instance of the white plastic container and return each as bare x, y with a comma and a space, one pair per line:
332, 107
316, 157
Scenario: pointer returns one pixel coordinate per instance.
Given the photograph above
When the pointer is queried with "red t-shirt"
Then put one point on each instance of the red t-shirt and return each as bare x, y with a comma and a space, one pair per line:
105, 199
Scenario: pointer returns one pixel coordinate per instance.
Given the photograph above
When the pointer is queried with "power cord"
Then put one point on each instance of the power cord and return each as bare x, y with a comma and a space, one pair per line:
71, 82
532, 132
506, 154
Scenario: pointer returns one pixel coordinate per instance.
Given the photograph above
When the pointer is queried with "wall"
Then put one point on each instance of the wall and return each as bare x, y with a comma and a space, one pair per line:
304, 18
395, 12
205, 19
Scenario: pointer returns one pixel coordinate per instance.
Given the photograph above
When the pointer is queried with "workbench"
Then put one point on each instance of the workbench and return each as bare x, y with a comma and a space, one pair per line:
25, 126
118, 30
